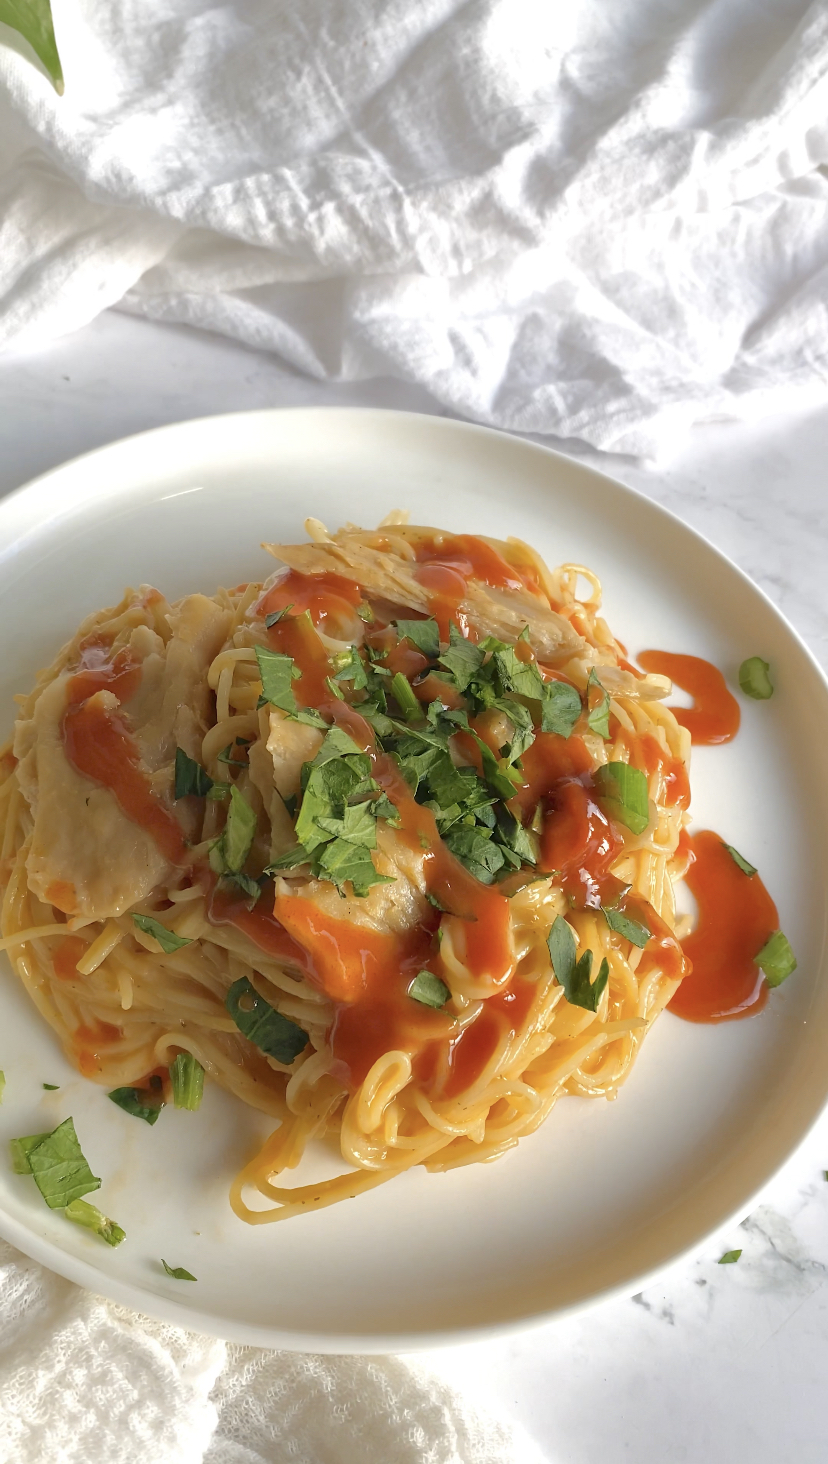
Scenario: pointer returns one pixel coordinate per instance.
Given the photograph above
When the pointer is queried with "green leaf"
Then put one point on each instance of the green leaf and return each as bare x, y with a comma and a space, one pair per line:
276, 616
631, 930
357, 825
167, 939
342, 862
572, 975
278, 674
336, 743
177, 1272
623, 795
776, 959
138, 1102
52, 1087
446, 783
81, 1213
424, 634
502, 779
382, 807
60, 1170
262, 1025
349, 666
748, 869
227, 756
729, 1257
326, 795
429, 990
365, 612
229, 852
754, 678
291, 860
462, 660
512, 833
190, 777
560, 708
187, 1076
521, 677
21, 1149
480, 855
599, 715
406, 700
32, 19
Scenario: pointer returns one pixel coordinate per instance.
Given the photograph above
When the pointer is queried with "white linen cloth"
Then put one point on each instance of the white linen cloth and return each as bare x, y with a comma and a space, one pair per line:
594, 218
83, 1381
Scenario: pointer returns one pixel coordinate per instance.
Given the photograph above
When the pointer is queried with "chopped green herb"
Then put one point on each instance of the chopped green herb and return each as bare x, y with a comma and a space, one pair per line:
167, 939
229, 852
407, 701
623, 795
754, 678
561, 708
82, 1213
521, 677
275, 616
729, 1257
219, 792
262, 1025
572, 975
244, 882
501, 778
138, 1103
334, 689
190, 777
32, 19
187, 1076
227, 757
631, 930
776, 959
278, 674
51, 1087
481, 856
365, 612
515, 836
344, 863
462, 660
429, 990
599, 715
177, 1272
60, 1170
21, 1149
424, 634
748, 869
349, 666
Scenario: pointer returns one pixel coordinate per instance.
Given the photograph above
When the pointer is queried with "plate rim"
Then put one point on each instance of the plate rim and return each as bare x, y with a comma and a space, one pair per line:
81, 1272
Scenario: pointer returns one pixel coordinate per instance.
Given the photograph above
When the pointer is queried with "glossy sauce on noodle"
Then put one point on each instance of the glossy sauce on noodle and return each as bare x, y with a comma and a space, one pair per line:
714, 716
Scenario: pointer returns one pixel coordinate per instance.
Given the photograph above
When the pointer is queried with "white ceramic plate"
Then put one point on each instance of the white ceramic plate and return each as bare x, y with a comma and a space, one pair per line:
605, 1194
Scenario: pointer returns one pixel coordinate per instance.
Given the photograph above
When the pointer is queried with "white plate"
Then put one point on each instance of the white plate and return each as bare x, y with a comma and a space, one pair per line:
605, 1194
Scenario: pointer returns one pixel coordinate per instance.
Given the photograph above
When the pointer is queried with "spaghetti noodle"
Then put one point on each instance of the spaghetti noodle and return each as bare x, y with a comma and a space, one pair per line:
387, 844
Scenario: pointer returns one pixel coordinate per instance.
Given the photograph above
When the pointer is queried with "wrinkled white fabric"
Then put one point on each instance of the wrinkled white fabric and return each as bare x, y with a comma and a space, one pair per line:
83, 1381
571, 217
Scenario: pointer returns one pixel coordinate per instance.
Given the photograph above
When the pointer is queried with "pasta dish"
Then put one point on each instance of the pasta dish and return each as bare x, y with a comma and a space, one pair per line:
385, 846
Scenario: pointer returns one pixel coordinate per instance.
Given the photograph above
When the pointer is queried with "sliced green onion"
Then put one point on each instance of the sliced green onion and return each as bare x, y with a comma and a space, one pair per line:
754, 678
187, 1076
82, 1213
748, 869
409, 705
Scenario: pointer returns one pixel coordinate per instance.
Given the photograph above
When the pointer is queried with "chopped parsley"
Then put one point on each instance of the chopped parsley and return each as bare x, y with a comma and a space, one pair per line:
231, 848
574, 975
187, 1076
138, 1103
190, 777
429, 990
729, 1258
754, 678
278, 672
262, 1025
599, 714
167, 939
748, 869
177, 1272
423, 634
631, 930
52, 1087
56, 1163
776, 959
275, 616
623, 795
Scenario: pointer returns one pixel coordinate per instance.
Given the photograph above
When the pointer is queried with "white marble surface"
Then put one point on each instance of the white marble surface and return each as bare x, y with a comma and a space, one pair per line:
716, 1365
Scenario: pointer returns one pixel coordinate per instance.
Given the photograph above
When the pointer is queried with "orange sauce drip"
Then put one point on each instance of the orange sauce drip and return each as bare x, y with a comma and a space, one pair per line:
330, 599
647, 754
714, 716
99, 744
295, 636
736, 916
66, 955
444, 571
88, 1042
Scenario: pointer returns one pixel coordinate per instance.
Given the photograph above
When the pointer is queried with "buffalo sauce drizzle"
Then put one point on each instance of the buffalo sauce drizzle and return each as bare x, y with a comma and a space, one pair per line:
714, 716
99, 744
444, 569
736, 916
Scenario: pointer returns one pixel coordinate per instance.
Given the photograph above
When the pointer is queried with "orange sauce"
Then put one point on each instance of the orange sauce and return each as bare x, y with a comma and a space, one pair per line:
736, 916
647, 754
444, 571
330, 599
88, 1042
66, 955
98, 743
714, 716
295, 636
